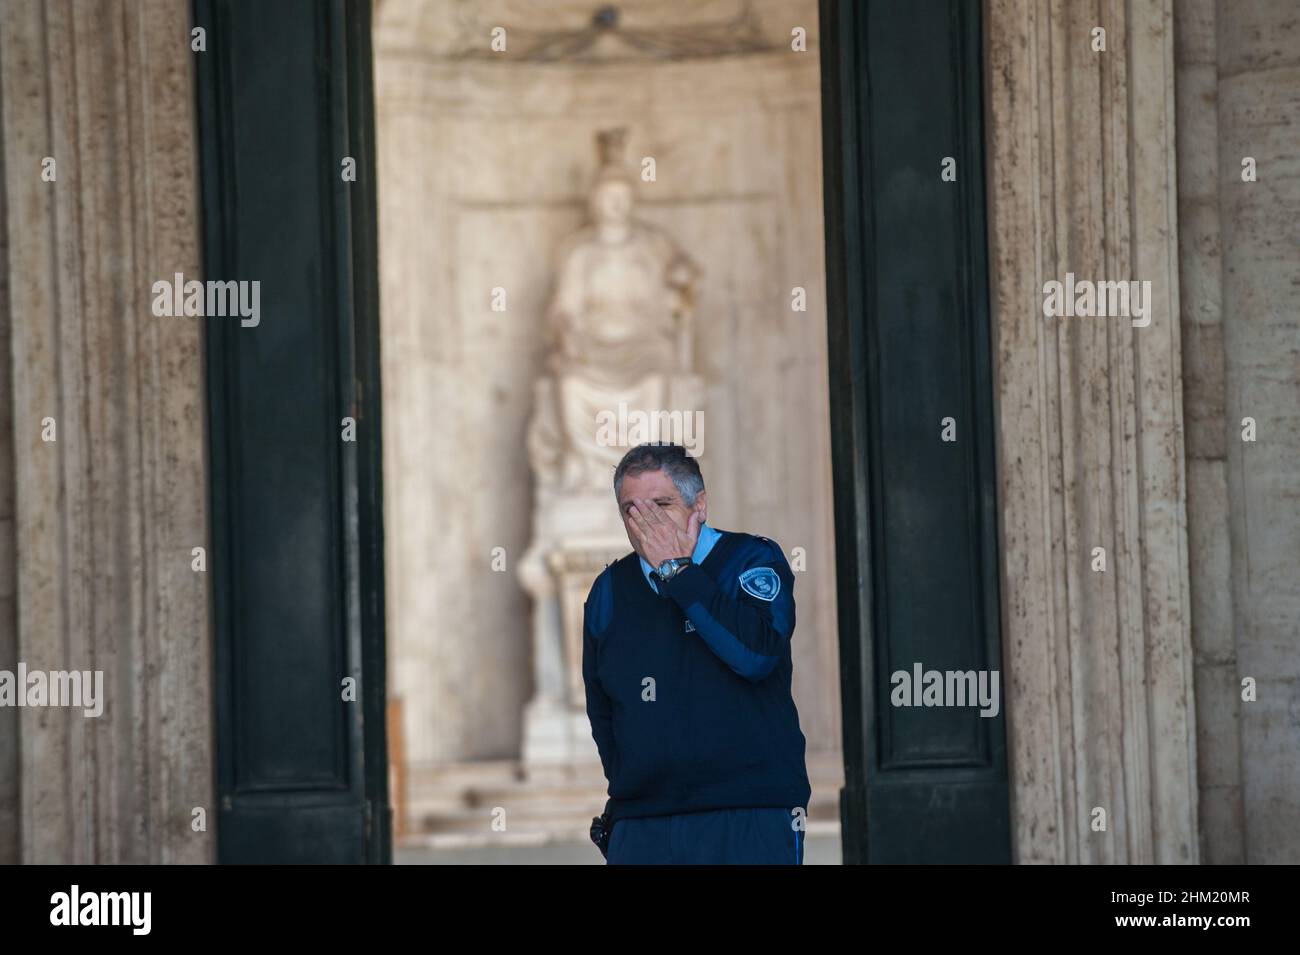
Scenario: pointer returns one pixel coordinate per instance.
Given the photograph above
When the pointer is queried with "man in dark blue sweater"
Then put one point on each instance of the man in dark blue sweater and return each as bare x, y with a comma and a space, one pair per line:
686, 660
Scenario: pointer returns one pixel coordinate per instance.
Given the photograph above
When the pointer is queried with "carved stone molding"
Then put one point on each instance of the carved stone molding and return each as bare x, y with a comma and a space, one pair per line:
1082, 180
606, 37
590, 31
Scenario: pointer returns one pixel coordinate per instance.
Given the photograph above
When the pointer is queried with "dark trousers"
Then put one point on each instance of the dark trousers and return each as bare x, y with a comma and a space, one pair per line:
719, 837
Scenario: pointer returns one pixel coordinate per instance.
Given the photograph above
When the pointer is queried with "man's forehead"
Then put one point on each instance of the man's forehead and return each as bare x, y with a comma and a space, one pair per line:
653, 484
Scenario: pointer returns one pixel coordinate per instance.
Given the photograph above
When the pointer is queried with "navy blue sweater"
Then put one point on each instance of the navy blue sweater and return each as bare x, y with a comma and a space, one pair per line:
689, 693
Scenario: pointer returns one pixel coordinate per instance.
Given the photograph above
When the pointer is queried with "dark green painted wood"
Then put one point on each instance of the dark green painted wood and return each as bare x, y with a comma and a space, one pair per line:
909, 340
297, 541
370, 479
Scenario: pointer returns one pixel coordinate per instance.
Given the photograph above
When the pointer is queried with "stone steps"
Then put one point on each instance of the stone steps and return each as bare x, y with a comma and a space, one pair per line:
453, 805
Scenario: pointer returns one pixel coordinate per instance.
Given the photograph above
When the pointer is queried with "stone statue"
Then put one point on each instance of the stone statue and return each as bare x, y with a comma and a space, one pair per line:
619, 328
619, 333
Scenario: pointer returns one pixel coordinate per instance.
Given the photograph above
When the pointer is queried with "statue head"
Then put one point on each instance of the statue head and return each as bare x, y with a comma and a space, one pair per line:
610, 201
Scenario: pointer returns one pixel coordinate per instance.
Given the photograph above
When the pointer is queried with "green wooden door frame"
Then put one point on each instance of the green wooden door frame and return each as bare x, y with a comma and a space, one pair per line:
284, 94
909, 345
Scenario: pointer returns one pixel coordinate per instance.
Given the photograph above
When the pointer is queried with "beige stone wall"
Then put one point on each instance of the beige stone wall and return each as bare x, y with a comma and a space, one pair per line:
1259, 113
483, 169
1239, 95
1218, 729
96, 527
10, 850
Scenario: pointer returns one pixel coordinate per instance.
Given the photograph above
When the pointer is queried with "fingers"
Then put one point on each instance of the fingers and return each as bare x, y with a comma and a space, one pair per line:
637, 530
638, 519
648, 512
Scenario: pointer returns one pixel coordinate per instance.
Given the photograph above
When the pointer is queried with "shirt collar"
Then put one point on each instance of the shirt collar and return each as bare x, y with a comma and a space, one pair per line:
703, 544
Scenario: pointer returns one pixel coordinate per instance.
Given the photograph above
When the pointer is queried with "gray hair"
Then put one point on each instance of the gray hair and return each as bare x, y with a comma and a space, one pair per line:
672, 459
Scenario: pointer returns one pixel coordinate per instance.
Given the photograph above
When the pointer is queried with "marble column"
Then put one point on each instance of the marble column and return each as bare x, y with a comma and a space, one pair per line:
107, 514
1090, 434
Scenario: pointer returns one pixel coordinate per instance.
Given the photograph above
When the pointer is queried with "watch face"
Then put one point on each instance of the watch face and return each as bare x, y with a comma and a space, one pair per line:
671, 567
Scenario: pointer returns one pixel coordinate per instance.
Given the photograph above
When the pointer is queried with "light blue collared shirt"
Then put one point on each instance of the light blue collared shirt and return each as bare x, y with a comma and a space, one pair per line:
703, 544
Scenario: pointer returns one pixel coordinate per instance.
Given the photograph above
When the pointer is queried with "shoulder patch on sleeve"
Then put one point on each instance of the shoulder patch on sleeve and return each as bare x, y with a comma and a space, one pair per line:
761, 582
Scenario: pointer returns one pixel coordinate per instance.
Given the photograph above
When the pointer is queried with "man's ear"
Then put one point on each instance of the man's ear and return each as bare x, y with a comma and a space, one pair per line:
702, 505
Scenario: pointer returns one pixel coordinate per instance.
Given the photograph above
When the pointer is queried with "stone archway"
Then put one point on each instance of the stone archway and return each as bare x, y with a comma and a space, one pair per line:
484, 165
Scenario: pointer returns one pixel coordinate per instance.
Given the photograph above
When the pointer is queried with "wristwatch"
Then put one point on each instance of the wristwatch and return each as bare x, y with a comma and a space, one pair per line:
671, 568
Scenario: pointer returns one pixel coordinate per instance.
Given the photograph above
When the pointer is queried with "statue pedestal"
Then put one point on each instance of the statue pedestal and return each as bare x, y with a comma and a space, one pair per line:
556, 736
577, 532
556, 728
